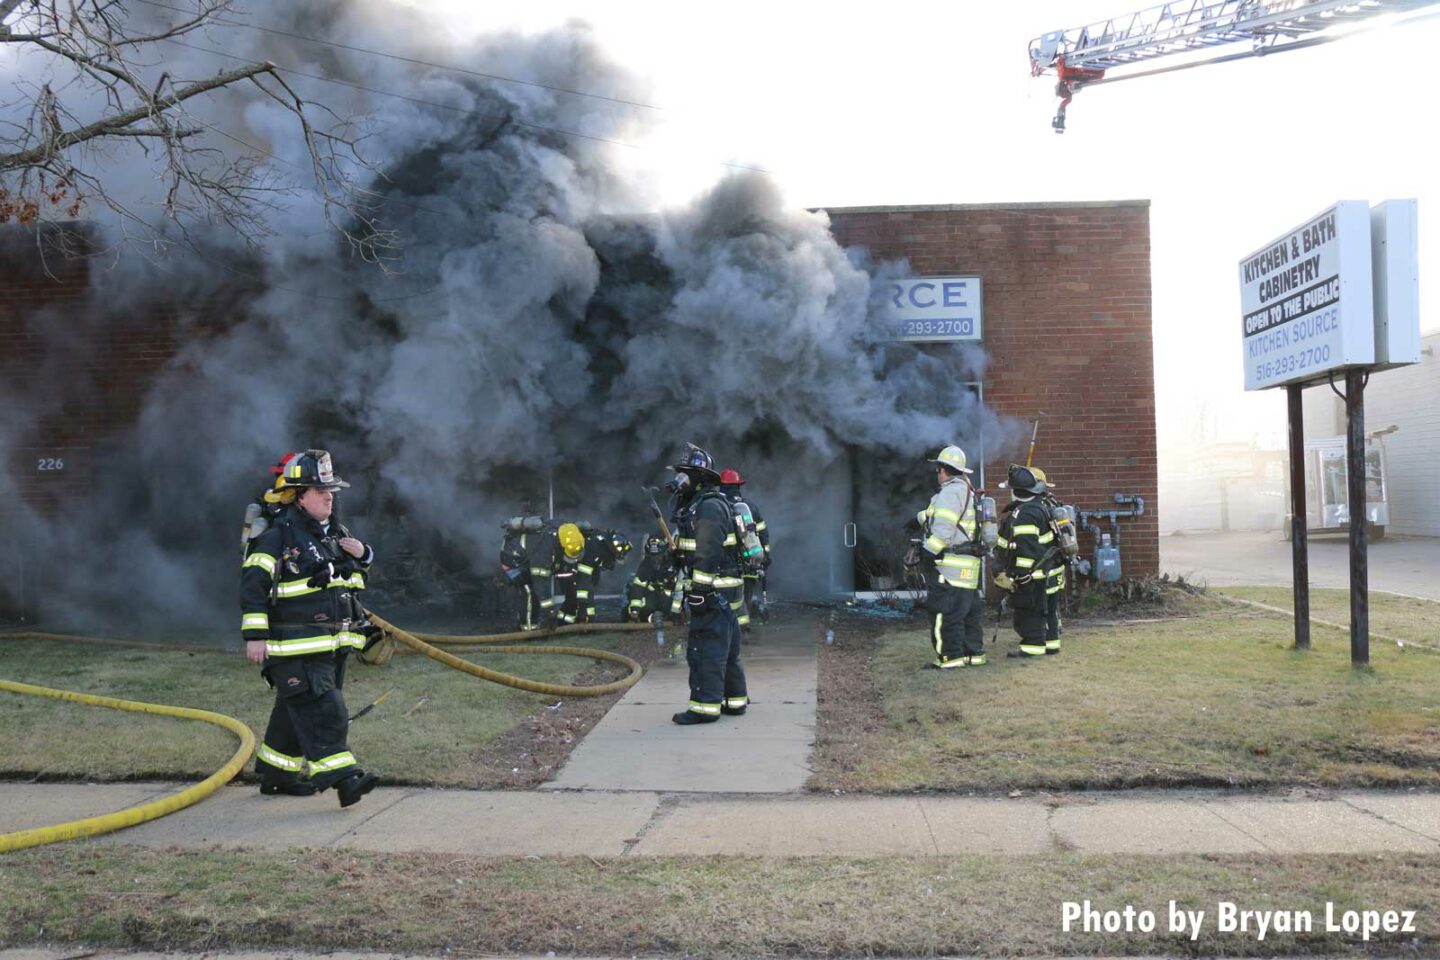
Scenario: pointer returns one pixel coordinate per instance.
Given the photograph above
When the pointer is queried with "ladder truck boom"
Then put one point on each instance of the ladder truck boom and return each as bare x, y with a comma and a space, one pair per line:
1082, 56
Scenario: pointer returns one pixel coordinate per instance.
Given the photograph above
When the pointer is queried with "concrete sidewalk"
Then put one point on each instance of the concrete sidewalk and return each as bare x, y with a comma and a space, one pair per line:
604, 824
636, 747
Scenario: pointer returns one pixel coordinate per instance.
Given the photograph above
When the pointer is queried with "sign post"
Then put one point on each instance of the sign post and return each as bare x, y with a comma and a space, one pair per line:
1337, 294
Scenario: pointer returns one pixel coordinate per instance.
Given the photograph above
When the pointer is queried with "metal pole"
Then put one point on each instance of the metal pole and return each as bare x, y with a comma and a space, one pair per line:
1299, 530
1359, 539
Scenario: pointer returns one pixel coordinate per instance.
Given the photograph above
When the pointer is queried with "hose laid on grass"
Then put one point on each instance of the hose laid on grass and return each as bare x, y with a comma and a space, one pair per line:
520, 683
91, 826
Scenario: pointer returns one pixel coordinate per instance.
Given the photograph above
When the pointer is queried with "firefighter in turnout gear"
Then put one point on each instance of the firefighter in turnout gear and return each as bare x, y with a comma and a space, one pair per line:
300, 617
752, 598
603, 549
1055, 571
517, 571
648, 592
1025, 550
708, 568
954, 600
563, 591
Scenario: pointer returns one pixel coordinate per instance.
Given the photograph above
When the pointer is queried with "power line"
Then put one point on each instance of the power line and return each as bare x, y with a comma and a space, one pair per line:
441, 106
411, 60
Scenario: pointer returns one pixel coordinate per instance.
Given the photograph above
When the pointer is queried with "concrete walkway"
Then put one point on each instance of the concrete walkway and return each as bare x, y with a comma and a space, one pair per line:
607, 824
636, 747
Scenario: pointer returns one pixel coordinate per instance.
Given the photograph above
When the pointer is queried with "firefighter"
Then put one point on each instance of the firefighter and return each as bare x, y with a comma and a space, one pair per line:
954, 600
708, 568
558, 584
1025, 551
1054, 572
521, 534
300, 617
753, 596
603, 549
648, 592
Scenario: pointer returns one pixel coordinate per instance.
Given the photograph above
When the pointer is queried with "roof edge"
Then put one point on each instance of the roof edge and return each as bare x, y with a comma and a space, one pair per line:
946, 207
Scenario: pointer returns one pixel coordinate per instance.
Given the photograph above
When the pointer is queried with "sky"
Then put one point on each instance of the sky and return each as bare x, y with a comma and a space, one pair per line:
933, 103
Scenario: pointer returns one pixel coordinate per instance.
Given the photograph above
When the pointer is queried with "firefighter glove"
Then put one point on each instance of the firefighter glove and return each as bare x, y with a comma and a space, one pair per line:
322, 576
1003, 581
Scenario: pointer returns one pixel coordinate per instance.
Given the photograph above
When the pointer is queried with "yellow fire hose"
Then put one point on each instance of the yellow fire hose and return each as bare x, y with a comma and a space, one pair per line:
106, 823
90, 826
520, 683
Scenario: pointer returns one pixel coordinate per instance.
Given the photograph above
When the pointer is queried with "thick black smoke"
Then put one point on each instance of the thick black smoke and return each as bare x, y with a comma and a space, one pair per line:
530, 338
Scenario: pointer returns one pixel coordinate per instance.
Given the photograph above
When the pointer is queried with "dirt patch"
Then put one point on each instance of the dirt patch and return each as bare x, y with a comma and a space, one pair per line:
535, 749
850, 721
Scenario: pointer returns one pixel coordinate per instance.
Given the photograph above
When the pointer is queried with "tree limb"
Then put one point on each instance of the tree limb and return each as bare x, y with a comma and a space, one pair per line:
115, 125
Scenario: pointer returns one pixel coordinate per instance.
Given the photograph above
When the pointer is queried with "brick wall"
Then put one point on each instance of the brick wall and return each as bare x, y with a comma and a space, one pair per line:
1067, 316
52, 343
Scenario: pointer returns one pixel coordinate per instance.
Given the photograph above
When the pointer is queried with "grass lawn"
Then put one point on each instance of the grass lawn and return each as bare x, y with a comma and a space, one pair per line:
1216, 698
439, 726
132, 898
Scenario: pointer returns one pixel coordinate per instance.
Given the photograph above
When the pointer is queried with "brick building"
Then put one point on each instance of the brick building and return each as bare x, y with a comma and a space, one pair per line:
1066, 328
1066, 325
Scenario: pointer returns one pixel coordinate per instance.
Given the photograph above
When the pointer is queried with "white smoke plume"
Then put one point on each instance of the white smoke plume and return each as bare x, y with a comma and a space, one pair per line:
530, 335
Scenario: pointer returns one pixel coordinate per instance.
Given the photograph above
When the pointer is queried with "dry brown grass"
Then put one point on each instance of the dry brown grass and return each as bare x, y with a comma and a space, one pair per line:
135, 898
1214, 698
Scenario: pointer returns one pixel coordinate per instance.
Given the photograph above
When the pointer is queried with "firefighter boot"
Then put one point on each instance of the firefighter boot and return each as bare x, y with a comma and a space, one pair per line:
686, 717
300, 788
355, 786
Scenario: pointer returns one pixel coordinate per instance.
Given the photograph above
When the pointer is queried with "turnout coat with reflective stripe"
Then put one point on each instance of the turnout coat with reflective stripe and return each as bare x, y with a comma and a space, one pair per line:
949, 523
1026, 540
706, 543
277, 602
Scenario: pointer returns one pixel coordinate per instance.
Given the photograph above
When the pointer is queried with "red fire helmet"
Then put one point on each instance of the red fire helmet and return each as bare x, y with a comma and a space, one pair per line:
731, 477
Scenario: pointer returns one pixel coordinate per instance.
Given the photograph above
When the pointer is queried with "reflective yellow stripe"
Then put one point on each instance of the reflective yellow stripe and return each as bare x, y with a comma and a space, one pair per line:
336, 761
280, 760
1023, 528
640, 583
736, 702
685, 543
1046, 537
1002, 543
255, 621
539, 571
586, 568
760, 526
700, 576
730, 540
262, 560
295, 588
708, 709
1024, 563
1033, 650
300, 646
946, 514
934, 544
725, 583
582, 594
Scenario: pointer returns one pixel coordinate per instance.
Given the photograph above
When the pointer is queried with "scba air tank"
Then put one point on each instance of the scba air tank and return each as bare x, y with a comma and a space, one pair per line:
989, 522
1064, 517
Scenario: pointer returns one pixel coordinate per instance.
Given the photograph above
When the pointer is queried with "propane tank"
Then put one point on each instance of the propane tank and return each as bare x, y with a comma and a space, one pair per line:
1064, 516
989, 522
1107, 560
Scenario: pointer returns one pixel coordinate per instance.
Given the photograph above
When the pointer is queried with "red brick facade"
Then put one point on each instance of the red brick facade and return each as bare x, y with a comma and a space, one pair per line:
1067, 328
52, 344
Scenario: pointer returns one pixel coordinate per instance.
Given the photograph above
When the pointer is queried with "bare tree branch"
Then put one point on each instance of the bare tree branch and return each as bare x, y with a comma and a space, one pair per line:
49, 174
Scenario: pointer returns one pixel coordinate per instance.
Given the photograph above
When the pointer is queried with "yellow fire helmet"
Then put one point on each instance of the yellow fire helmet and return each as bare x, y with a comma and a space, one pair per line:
572, 541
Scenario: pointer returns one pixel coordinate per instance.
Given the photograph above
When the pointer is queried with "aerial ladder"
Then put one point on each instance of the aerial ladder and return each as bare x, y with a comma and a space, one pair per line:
1083, 56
